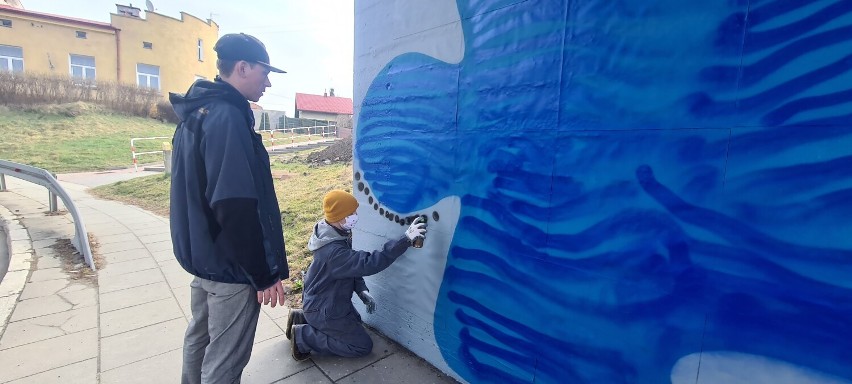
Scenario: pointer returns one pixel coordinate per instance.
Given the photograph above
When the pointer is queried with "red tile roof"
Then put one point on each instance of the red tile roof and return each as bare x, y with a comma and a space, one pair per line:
326, 104
48, 16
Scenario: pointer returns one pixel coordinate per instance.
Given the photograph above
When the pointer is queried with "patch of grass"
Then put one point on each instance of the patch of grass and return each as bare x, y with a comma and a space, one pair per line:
149, 192
76, 137
300, 188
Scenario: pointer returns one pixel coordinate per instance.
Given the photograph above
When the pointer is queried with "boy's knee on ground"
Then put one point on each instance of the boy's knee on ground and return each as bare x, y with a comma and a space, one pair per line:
360, 348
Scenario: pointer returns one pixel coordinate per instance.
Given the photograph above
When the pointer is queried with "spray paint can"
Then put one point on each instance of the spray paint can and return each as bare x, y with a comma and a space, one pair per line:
418, 241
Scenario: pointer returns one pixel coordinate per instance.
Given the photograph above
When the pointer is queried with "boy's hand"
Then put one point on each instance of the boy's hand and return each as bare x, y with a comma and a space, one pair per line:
416, 229
368, 301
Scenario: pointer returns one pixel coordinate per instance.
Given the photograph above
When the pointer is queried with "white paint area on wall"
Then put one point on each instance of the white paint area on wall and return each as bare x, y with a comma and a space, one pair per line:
406, 293
742, 368
432, 28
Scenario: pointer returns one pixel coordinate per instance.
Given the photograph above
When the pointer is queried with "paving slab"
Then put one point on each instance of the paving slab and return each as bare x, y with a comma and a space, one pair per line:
12, 282
140, 344
139, 316
84, 372
47, 274
337, 368
49, 326
51, 288
311, 375
271, 361
29, 359
120, 247
129, 266
131, 254
112, 301
399, 368
116, 283
162, 368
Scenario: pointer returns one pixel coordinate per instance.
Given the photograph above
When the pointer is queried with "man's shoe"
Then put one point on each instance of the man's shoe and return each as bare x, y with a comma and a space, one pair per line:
297, 355
294, 317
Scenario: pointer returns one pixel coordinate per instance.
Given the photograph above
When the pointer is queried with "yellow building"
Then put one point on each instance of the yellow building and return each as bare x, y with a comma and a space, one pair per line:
158, 51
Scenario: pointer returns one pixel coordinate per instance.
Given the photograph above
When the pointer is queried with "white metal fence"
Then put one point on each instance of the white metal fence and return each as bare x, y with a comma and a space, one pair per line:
136, 154
294, 135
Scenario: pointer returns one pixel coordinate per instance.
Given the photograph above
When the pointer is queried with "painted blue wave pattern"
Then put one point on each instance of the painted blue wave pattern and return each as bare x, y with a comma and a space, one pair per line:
640, 181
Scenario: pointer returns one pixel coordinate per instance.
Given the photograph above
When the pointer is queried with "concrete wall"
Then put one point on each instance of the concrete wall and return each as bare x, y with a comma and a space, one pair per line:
617, 191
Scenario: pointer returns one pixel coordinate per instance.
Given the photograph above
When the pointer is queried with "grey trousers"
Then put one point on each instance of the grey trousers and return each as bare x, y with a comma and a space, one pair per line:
218, 341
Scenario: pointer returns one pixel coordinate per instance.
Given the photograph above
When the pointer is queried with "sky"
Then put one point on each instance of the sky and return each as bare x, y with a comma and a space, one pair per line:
310, 39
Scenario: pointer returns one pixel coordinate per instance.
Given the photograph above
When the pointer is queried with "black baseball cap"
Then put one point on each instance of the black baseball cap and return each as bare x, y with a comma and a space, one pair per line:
239, 46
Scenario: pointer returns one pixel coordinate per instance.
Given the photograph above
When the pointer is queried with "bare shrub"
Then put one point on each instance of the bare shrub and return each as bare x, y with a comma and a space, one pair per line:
164, 111
24, 89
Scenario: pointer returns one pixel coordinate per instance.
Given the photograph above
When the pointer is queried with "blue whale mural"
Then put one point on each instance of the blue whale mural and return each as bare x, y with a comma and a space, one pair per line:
640, 180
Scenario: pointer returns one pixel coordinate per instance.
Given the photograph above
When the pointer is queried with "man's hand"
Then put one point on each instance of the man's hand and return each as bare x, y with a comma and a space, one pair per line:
272, 295
416, 229
368, 301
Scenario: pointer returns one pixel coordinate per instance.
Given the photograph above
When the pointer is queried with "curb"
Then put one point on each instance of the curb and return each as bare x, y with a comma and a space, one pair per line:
20, 262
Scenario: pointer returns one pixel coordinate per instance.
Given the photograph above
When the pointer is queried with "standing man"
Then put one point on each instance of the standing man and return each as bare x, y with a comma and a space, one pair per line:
225, 221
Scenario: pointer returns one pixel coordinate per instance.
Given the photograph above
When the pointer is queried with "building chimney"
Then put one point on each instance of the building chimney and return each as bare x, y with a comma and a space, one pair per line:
128, 10
331, 92
325, 93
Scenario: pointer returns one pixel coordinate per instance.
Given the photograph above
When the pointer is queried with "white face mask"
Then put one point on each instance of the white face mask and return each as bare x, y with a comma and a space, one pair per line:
350, 222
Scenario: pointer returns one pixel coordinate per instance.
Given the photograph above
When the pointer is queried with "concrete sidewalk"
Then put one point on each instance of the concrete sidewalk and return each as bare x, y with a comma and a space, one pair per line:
125, 324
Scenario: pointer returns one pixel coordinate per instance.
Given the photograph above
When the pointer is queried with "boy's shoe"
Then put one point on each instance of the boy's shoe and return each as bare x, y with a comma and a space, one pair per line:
297, 355
294, 317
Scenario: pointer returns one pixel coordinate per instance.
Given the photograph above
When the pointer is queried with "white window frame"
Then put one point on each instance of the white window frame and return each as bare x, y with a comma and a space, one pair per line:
200, 50
7, 61
88, 72
146, 72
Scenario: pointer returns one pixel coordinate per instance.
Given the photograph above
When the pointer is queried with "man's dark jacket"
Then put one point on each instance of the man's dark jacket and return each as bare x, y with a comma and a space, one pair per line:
225, 220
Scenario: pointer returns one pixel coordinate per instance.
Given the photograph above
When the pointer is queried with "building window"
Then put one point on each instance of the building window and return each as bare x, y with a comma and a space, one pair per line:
11, 58
200, 50
83, 67
147, 45
148, 76
6, 23
81, 35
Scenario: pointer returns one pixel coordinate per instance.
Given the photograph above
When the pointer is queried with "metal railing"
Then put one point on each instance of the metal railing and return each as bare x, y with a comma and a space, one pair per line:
46, 179
297, 134
136, 154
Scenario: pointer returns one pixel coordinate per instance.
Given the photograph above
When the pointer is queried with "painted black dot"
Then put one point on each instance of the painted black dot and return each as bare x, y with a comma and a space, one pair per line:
370, 200
376, 206
396, 218
382, 211
361, 186
408, 220
435, 215
367, 191
357, 175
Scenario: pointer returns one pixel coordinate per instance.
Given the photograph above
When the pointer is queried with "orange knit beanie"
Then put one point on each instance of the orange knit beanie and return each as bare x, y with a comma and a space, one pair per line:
337, 205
